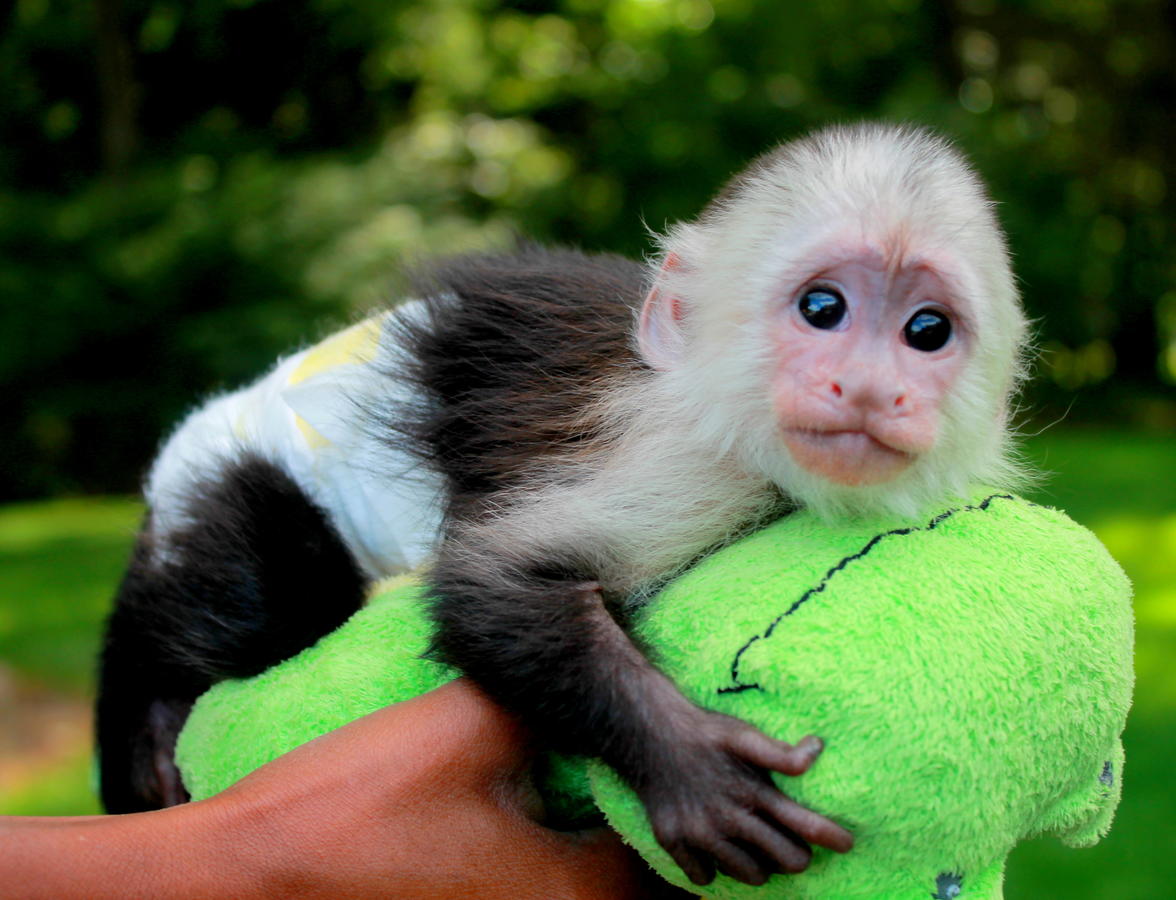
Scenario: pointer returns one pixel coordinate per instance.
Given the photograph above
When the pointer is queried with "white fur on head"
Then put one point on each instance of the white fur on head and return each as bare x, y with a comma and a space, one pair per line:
890, 187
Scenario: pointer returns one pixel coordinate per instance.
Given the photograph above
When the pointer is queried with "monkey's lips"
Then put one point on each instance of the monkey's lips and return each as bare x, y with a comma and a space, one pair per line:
846, 456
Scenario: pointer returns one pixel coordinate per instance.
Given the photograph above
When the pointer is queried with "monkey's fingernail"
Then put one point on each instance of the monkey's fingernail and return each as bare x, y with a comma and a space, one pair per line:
811, 744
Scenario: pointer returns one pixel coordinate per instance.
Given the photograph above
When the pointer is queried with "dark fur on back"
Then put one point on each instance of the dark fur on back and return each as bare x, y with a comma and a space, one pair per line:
510, 352
259, 575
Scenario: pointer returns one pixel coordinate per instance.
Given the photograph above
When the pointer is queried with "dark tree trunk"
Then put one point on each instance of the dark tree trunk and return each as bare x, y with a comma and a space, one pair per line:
117, 86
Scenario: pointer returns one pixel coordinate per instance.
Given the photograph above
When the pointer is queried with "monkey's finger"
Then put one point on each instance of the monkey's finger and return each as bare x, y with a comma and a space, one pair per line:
786, 850
805, 823
739, 864
757, 748
698, 867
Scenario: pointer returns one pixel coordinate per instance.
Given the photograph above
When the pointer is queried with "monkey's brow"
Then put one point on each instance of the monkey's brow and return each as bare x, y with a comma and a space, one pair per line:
889, 255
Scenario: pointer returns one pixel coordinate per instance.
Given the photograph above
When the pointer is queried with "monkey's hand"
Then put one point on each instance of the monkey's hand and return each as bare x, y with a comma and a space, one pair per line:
713, 806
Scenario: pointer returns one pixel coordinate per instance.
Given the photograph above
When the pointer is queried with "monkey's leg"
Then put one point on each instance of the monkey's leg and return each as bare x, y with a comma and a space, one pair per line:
550, 650
257, 575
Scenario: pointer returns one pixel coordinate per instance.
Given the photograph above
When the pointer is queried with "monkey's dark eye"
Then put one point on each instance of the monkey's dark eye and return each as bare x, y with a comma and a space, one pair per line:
822, 308
928, 330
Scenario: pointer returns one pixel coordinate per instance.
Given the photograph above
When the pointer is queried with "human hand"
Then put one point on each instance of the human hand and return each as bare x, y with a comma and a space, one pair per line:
430, 798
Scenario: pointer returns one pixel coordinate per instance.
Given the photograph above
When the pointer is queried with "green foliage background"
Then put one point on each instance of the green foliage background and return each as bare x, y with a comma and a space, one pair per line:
189, 188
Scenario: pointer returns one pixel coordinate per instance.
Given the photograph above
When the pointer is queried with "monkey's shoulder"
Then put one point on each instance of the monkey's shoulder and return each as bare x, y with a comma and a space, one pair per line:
534, 304
509, 350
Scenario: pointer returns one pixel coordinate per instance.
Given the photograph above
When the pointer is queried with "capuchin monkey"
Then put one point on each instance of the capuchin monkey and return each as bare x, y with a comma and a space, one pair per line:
554, 434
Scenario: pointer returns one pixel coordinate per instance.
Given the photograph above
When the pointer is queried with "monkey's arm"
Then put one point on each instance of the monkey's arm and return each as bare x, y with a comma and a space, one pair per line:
547, 647
548, 488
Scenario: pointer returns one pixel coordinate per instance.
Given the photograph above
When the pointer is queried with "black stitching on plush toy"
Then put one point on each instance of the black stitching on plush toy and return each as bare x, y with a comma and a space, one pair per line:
948, 886
736, 687
1108, 774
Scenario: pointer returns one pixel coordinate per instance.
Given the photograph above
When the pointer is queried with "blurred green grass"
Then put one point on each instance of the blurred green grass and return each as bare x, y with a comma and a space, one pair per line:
1122, 485
66, 790
60, 562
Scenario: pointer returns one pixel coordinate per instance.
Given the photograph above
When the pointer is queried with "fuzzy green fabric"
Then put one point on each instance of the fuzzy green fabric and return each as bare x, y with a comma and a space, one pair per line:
970, 673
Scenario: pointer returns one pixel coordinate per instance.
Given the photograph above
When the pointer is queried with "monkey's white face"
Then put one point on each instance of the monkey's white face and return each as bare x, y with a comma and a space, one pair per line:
843, 319
863, 355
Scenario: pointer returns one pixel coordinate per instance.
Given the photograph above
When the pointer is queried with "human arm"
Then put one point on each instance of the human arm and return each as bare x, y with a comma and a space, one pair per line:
428, 799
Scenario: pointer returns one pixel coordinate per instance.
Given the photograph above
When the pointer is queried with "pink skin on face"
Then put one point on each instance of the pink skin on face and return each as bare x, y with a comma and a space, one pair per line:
856, 404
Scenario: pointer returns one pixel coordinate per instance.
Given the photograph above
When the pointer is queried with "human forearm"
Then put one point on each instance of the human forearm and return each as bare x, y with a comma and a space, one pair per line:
187, 851
427, 799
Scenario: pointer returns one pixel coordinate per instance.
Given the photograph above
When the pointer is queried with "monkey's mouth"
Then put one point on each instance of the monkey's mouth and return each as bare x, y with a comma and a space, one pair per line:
848, 456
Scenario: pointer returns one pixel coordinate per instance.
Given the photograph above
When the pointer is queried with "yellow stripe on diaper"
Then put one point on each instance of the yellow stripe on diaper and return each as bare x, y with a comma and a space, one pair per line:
352, 346
393, 582
313, 437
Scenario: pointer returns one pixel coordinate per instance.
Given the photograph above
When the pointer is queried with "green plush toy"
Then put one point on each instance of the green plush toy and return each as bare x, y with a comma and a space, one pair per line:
970, 674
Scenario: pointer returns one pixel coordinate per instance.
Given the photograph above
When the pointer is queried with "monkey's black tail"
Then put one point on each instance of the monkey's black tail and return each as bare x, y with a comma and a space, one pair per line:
258, 575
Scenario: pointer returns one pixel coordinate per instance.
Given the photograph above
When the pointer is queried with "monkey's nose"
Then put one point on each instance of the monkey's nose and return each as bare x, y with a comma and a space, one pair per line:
868, 392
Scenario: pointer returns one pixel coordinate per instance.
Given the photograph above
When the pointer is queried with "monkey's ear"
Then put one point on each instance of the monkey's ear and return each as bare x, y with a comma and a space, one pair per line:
659, 334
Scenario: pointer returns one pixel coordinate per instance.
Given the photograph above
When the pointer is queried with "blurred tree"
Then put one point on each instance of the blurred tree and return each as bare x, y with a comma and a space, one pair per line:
1075, 97
188, 189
